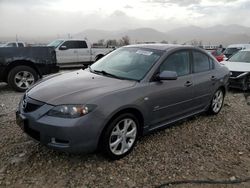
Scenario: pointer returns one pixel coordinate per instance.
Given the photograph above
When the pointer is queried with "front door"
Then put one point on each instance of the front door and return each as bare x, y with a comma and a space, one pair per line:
172, 99
67, 52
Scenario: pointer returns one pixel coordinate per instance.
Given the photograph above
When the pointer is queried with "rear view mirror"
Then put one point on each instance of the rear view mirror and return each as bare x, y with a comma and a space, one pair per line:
63, 48
167, 75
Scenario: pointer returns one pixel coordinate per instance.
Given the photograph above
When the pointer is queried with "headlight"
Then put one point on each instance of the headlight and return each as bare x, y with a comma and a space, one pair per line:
71, 111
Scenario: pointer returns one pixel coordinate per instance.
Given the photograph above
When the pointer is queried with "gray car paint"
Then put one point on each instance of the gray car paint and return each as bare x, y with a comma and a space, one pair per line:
159, 102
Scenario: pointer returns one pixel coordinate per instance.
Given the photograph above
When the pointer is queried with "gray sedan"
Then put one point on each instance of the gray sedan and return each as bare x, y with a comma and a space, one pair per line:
130, 92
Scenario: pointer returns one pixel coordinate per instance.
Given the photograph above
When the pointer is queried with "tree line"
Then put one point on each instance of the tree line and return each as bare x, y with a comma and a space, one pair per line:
125, 40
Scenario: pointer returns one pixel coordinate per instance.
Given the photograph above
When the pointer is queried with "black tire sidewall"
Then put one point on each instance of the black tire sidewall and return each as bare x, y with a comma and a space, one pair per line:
106, 136
17, 69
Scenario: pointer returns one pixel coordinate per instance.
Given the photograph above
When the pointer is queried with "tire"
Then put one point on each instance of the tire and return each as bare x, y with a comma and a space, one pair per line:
217, 102
245, 85
20, 78
114, 140
98, 57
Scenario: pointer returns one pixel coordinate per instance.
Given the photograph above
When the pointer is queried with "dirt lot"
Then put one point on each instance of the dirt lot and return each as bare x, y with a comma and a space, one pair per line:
200, 148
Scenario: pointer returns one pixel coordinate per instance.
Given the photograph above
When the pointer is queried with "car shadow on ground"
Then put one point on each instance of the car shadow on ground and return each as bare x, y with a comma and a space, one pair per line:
4, 87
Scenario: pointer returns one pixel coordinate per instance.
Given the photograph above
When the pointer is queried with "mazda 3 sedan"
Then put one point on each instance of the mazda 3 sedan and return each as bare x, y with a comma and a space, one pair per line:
128, 93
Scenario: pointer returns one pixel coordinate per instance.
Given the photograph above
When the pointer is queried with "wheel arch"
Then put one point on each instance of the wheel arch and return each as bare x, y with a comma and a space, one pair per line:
132, 110
99, 56
223, 88
20, 63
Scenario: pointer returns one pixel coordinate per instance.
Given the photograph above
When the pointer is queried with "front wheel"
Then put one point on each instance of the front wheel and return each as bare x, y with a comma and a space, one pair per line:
20, 78
120, 136
217, 102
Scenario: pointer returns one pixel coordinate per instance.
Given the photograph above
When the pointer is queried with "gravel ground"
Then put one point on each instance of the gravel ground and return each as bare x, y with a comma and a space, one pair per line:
203, 147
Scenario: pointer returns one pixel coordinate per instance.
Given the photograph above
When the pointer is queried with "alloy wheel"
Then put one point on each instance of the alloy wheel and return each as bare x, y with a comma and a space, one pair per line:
123, 136
217, 101
24, 79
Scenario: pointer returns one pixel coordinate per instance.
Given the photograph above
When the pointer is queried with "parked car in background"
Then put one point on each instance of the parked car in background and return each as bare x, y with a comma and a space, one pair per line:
77, 52
234, 48
22, 67
239, 65
217, 54
130, 92
13, 44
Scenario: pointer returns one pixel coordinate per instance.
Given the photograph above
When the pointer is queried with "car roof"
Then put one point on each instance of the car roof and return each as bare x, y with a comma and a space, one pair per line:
76, 39
159, 46
238, 45
246, 50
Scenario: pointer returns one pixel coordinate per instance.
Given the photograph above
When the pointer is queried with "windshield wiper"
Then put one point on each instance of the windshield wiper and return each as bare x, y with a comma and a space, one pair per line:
103, 72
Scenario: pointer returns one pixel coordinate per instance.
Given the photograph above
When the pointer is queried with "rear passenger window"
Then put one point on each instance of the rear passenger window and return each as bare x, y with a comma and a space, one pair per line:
20, 45
178, 62
82, 44
201, 62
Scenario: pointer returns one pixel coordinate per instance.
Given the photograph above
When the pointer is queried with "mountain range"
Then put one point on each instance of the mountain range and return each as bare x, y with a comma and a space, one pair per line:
219, 34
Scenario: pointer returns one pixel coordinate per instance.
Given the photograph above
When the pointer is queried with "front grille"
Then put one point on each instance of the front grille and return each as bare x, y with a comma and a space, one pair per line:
235, 74
30, 105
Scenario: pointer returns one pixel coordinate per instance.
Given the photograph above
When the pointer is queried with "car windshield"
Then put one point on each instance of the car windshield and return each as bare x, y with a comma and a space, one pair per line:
55, 43
127, 63
231, 50
242, 56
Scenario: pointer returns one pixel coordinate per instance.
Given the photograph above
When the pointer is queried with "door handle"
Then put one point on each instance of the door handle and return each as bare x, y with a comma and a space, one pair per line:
213, 78
188, 83
75, 51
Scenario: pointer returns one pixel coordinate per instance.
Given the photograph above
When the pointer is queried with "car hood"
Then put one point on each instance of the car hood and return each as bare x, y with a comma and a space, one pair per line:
237, 66
78, 87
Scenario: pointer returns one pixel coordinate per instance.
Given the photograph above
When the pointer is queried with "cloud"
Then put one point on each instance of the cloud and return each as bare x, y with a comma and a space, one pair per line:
57, 17
128, 7
26, 2
179, 3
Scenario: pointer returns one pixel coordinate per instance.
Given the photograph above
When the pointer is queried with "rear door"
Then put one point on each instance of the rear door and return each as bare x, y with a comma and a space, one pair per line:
84, 54
67, 52
172, 99
204, 79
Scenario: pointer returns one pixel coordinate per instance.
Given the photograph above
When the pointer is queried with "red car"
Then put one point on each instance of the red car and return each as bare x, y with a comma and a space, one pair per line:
218, 55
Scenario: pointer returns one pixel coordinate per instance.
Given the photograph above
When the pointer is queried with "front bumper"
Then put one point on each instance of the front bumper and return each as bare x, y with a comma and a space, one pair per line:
78, 135
240, 83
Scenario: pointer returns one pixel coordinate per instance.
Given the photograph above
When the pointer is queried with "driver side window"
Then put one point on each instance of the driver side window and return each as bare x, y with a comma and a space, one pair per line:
70, 44
178, 62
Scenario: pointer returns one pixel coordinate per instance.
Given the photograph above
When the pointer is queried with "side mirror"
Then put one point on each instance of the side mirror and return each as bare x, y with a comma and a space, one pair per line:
167, 75
63, 48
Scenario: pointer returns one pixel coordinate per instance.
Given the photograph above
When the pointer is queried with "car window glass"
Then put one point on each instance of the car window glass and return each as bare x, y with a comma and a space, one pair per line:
11, 45
201, 62
128, 63
211, 63
241, 56
20, 45
71, 44
82, 44
178, 62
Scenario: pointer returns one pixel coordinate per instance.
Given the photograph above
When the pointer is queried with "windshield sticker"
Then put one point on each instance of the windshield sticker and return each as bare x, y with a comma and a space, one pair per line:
142, 52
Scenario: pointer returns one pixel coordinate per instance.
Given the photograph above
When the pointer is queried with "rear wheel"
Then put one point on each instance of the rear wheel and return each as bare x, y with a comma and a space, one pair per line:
20, 78
217, 102
120, 136
98, 57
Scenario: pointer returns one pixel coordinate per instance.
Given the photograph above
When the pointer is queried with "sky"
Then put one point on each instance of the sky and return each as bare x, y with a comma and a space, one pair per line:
58, 17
